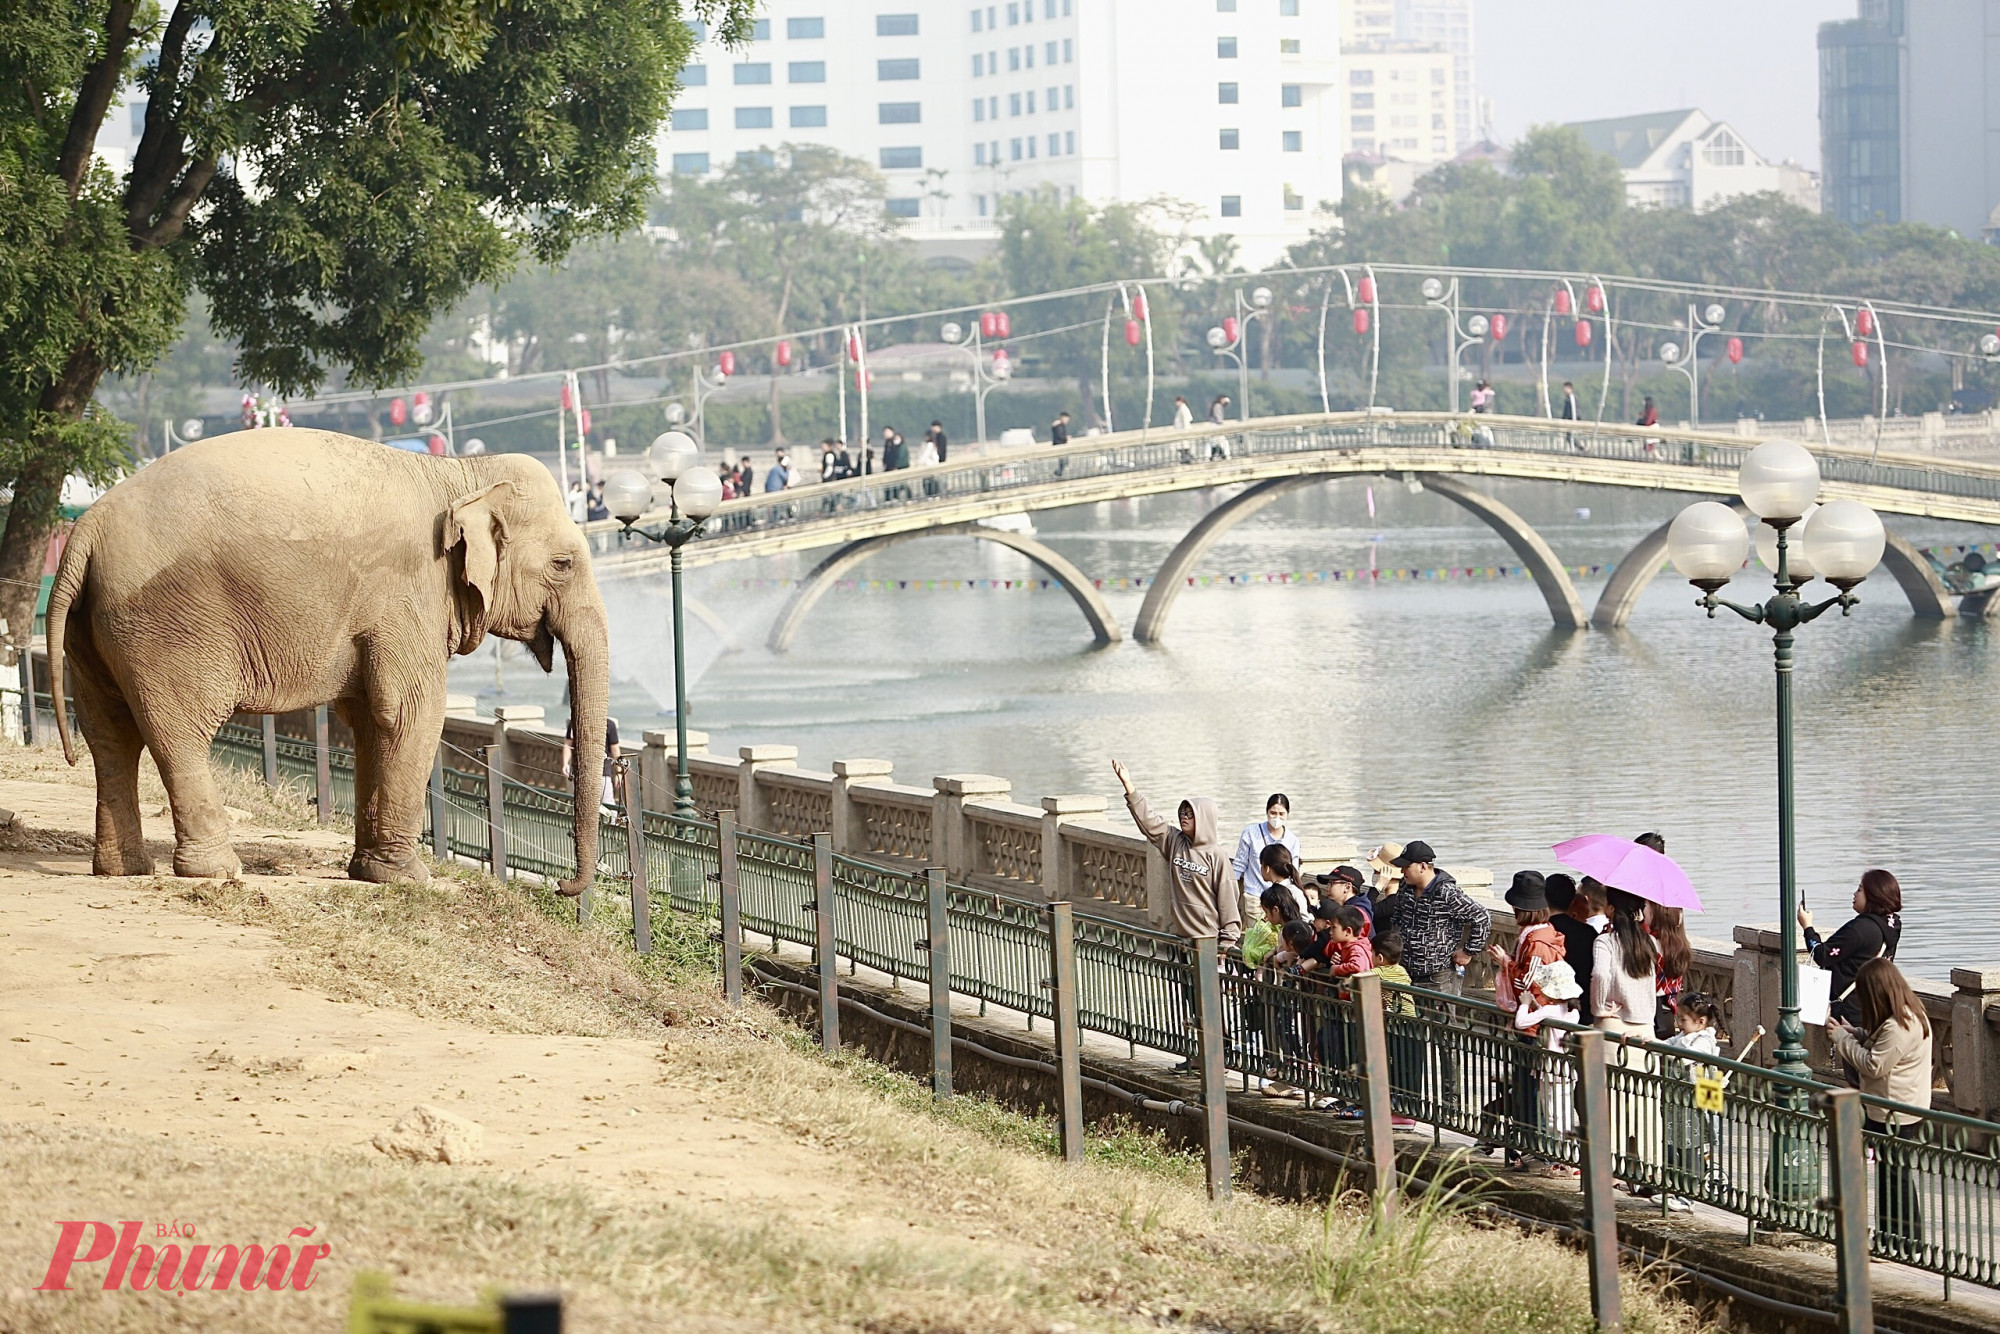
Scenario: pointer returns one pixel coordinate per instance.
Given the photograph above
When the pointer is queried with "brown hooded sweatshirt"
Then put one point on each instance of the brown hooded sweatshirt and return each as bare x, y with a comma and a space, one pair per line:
1205, 902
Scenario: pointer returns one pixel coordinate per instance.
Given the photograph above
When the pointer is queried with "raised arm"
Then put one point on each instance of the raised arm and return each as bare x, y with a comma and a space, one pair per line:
1158, 832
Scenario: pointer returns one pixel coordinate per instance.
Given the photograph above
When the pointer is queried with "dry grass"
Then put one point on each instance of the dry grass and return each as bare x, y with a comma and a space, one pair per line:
986, 1230
286, 808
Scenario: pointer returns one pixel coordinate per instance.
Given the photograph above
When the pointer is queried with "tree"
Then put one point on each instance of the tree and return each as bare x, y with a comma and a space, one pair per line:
330, 178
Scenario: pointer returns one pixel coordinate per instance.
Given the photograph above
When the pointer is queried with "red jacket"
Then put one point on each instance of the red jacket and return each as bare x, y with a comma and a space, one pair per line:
1348, 957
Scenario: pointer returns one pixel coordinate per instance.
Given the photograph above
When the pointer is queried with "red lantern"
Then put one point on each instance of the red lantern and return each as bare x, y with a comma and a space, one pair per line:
784, 352
1366, 291
1583, 333
399, 411
435, 444
853, 347
1498, 326
1361, 320
567, 404
583, 421
1229, 328
989, 324
1593, 299
1131, 333
1562, 301
1002, 325
1734, 348
1138, 305
1861, 354
726, 362
1864, 321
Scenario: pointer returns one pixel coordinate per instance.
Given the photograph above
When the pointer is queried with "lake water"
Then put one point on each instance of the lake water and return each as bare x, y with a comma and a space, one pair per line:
1443, 710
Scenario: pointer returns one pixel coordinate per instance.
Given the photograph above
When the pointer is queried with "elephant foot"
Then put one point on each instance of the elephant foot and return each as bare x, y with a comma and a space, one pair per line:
120, 861
207, 864
378, 871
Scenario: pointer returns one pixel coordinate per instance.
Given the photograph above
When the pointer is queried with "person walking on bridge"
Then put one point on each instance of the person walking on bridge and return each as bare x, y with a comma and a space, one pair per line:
1570, 411
1183, 414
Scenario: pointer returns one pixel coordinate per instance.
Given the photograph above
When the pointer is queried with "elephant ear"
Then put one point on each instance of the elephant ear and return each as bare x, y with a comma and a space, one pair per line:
474, 523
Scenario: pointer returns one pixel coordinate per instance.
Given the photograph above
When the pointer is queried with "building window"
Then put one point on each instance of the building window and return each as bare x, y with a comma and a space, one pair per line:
1723, 150
760, 30
690, 118
1294, 202
992, 16
1437, 122
1013, 104
1055, 99
1055, 144
993, 107
978, 18
894, 71
1232, 139
1013, 13
1029, 96
690, 164
1288, 46
693, 76
1361, 78
1291, 94
1225, 48
1361, 101
1028, 56
902, 159
755, 157
1069, 96
903, 208
1014, 150
1069, 140
1065, 8
759, 72
806, 71
808, 118
1288, 9
979, 108
1069, 49
979, 154
805, 29
1232, 206
1225, 6
982, 204
978, 64
697, 30
899, 113
1225, 93
1437, 75
1364, 124
1364, 145
1049, 53
753, 118
1437, 143
1013, 57
895, 25
1295, 141
1031, 145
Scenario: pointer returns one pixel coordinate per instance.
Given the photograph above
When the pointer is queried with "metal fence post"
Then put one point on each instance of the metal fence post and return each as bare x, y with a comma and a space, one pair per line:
1214, 1076
1599, 1208
635, 859
27, 696
271, 751
939, 948
1375, 1108
496, 814
323, 764
829, 963
731, 906
1850, 1210
440, 807
1069, 1061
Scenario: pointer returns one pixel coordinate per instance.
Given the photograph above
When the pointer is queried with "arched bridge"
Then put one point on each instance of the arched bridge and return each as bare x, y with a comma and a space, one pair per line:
1271, 457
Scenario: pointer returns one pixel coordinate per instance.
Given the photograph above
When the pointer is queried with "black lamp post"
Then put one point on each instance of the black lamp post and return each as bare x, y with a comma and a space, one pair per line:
694, 492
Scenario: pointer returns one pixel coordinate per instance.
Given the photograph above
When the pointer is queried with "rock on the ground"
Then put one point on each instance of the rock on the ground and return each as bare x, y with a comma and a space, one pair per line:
427, 1134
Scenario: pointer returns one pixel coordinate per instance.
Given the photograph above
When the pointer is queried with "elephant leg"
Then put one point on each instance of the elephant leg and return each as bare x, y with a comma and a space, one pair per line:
355, 713
201, 826
115, 746
404, 739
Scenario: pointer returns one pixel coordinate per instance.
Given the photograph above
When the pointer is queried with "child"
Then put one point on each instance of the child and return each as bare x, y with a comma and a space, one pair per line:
1347, 951
1276, 866
1554, 984
1270, 1026
1406, 1051
1343, 954
1691, 1134
1262, 939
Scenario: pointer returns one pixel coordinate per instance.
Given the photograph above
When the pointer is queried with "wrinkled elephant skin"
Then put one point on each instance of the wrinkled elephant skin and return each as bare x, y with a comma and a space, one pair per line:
283, 569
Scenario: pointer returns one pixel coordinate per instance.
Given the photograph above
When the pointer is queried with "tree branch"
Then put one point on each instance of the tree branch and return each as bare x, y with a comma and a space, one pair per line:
158, 158
100, 85
173, 217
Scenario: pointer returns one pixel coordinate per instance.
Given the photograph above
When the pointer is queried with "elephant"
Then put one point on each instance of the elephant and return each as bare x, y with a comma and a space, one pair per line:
273, 570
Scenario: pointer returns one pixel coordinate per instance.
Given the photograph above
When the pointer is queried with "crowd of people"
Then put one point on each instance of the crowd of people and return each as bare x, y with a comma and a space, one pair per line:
1584, 953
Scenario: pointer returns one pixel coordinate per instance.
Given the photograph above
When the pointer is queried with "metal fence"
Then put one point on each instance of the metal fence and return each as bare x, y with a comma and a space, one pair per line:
1737, 1137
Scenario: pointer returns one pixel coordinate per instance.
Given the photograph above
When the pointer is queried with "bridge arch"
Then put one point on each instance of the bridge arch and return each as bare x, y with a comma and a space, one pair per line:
1557, 590
1103, 625
1929, 599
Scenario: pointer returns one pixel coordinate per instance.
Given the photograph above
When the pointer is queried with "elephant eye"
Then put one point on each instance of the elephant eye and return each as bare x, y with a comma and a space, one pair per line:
564, 562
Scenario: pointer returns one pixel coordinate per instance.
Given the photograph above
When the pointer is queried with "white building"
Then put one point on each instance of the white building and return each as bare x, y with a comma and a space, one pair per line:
1683, 159
1396, 102
1231, 106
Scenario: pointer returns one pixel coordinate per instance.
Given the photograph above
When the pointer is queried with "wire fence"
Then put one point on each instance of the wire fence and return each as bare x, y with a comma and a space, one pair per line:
1740, 1138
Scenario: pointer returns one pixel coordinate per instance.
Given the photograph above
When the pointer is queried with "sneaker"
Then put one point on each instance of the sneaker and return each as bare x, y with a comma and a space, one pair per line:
1679, 1204
1275, 1090
1403, 1123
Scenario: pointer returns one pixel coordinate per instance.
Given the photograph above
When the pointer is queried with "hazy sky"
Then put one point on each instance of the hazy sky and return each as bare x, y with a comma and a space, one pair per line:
1753, 63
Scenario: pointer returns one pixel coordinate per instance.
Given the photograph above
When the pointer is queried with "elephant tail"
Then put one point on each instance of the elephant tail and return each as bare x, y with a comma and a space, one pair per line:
69, 583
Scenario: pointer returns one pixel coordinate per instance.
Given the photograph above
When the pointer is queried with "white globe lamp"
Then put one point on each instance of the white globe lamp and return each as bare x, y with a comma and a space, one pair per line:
1707, 543
1778, 481
1844, 539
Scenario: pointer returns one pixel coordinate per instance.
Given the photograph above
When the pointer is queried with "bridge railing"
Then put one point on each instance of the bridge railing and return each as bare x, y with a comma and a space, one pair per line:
1212, 447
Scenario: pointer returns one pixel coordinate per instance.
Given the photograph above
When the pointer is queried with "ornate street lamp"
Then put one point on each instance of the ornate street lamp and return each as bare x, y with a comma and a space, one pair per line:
1842, 543
693, 494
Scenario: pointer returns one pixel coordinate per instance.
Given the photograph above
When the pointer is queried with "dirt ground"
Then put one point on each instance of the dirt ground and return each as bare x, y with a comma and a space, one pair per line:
222, 1055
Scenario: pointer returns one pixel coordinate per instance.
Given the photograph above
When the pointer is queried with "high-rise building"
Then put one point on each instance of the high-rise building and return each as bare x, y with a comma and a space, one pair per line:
1448, 24
1232, 106
1910, 115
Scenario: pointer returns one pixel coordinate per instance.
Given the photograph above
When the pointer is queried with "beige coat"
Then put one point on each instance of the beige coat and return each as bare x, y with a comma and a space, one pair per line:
1894, 1063
1205, 901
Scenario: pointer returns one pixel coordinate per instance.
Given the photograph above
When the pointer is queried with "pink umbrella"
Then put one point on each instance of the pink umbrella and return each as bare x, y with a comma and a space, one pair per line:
1632, 867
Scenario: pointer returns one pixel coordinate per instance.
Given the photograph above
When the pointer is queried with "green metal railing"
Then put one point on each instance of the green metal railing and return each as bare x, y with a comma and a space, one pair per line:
1455, 1064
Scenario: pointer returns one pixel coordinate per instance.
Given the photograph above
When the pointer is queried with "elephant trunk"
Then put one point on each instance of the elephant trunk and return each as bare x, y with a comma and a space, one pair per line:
586, 650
